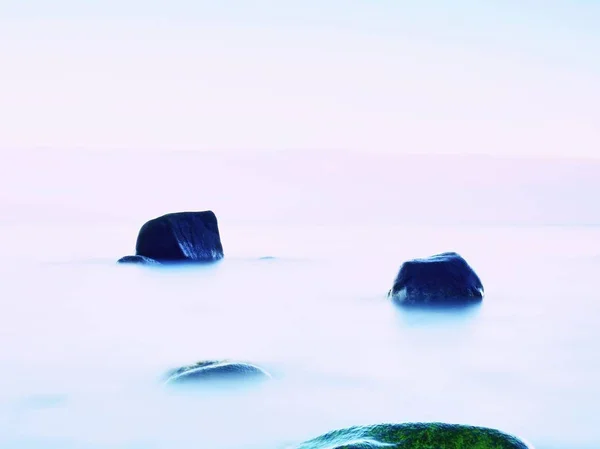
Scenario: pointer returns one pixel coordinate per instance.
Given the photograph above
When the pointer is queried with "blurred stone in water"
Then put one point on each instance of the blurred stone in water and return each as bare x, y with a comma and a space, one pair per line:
221, 372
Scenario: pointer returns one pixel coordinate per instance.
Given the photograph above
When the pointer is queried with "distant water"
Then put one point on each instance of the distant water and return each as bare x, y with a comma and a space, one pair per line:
84, 342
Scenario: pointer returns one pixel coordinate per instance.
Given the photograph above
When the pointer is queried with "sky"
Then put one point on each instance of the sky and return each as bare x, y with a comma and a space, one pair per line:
499, 77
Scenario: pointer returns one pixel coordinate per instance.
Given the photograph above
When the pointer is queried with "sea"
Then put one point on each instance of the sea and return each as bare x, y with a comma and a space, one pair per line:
85, 343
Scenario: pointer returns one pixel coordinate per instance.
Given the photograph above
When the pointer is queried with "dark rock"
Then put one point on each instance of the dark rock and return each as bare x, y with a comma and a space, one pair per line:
216, 370
181, 237
416, 436
137, 260
442, 279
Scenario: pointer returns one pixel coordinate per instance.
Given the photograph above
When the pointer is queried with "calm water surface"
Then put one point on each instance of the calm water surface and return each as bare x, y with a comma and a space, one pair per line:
84, 342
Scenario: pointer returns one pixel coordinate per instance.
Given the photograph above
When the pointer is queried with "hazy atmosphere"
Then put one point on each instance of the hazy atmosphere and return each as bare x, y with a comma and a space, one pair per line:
319, 152
501, 77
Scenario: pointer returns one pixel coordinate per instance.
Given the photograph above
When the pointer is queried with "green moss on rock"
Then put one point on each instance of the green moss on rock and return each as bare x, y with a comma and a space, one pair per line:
416, 436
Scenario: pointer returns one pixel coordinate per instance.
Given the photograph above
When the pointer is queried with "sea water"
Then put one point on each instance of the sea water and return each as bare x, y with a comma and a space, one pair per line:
84, 342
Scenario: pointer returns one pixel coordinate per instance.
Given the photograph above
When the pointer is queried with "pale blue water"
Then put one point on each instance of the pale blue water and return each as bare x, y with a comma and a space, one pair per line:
83, 342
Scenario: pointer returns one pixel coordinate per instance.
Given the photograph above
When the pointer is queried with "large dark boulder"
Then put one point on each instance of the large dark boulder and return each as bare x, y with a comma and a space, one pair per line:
416, 436
221, 371
179, 237
442, 279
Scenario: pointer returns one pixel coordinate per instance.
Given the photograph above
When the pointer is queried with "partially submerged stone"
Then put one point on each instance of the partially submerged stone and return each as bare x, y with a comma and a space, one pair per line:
140, 260
179, 237
416, 436
216, 370
444, 278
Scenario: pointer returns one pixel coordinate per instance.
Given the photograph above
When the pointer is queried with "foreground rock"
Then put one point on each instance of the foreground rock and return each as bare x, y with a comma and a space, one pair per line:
178, 237
444, 278
416, 436
222, 371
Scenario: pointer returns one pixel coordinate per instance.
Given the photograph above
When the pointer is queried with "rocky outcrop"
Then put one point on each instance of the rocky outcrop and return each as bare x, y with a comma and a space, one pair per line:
179, 237
444, 278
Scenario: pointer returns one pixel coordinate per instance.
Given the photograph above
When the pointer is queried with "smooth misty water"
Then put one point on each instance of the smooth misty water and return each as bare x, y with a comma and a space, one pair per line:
84, 342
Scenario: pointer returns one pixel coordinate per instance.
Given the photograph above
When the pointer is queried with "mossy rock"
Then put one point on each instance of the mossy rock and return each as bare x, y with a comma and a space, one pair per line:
216, 370
416, 436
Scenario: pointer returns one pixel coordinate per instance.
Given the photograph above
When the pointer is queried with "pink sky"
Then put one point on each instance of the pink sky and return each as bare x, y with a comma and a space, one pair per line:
506, 87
